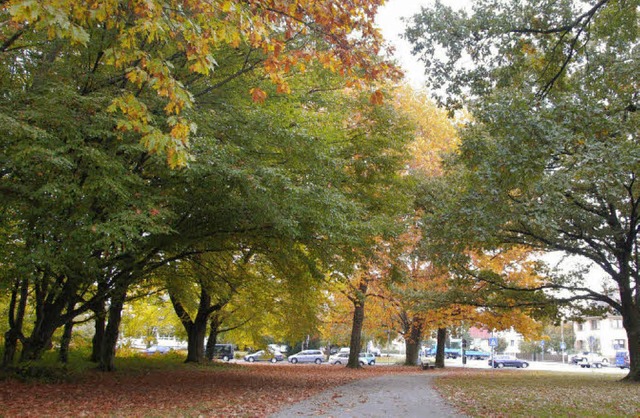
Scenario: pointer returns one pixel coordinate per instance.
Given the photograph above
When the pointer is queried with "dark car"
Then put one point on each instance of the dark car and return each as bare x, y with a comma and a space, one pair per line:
506, 360
263, 355
223, 352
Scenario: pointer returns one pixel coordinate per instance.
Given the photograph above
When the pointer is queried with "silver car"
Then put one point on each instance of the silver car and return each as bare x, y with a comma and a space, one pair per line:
307, 356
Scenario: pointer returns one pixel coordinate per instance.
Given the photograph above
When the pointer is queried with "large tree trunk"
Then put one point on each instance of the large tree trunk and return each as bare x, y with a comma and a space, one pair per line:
98, 335
356, 329
412, 342
65, 341
631, 322
441, 340
110, 341
214, 325
196, 328
100, 313
15, 315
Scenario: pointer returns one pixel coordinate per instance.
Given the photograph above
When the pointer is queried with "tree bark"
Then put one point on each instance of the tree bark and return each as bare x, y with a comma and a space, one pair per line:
412, 342
441, 339
110, 340
65, 341
17, 308
356, 329
100, 313
196, 328
214, 325
97, 341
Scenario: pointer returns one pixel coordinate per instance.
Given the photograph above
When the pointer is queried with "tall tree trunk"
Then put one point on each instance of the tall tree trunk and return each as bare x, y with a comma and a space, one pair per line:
196, 328
441, 339
631, 322
65, 341
97, 341
356, 329
110, 340
214, 325
100, 313
412, 342
17, 308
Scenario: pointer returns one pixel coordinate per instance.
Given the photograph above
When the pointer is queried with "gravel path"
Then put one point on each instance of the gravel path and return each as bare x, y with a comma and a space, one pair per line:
407, 396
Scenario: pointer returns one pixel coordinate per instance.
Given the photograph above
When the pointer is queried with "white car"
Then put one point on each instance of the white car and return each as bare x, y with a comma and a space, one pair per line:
340, 358
307, 356
343, 358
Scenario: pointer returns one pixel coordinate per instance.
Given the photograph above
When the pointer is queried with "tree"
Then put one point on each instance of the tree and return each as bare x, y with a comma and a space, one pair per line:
145, 48
551, 157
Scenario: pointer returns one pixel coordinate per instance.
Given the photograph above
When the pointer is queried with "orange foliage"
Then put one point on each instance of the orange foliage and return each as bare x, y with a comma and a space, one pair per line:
198, 29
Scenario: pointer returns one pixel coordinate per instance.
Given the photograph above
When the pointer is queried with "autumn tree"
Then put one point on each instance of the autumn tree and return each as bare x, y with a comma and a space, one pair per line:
93, 93
550, 159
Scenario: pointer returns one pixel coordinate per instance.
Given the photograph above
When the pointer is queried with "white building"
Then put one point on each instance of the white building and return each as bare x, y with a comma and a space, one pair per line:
601, 335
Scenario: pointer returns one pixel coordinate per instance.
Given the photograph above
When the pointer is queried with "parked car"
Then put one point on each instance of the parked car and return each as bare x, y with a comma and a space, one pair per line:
339, 358
622, 360
367, 358
343, 358
589, 356
507, 360
223, 352
264, 355
588, 359
157, 349
307, 356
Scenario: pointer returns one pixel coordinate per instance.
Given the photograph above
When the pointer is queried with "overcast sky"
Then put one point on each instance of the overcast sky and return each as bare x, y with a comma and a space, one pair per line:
389, 19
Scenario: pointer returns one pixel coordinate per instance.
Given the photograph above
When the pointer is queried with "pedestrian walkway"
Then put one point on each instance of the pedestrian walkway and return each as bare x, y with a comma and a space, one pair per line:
407, 396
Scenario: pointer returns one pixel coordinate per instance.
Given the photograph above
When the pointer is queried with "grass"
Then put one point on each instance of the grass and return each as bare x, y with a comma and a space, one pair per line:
539, 394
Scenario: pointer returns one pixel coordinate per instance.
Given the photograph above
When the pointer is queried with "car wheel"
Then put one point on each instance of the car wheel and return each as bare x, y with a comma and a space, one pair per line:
318, 361
605, 362
225, 358
500, 365
294, 360
252, 359
525, 365
371, 363
598, 365
362, 363
338, 362
273, 360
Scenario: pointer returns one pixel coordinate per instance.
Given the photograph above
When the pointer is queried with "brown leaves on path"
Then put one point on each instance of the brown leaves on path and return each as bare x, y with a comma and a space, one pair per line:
229, 390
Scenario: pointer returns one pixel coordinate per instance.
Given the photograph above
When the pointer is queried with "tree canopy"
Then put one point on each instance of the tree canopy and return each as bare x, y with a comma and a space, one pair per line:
550, 159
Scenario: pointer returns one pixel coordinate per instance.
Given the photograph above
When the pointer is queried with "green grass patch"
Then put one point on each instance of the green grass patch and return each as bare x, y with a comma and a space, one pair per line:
540, 394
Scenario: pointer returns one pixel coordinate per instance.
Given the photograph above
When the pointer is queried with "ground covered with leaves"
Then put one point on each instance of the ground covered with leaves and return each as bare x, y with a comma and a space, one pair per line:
517, 393
161, 387
218, 390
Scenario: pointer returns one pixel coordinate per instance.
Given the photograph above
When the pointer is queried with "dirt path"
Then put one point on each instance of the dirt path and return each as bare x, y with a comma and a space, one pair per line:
407, 396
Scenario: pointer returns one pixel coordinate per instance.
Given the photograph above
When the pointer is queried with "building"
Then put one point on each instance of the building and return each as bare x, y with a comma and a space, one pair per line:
601, 335
480, 339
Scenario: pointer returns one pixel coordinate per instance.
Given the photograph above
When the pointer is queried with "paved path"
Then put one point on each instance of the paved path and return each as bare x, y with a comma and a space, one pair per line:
407, 396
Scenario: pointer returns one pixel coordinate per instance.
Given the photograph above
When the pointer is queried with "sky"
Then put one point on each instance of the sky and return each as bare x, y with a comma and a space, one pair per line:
389, 19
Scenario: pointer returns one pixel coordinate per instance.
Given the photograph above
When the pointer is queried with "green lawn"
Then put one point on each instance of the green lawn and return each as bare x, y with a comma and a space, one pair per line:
540, 394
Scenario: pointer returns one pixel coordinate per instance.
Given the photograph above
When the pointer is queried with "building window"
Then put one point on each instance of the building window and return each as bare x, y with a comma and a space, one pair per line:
595, 324
513, 343
580, 327
580, 345
616, 324
619, 344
